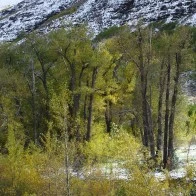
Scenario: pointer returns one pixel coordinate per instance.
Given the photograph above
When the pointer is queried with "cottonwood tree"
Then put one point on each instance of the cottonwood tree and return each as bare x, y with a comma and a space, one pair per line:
137, 49
177, 47
75, 51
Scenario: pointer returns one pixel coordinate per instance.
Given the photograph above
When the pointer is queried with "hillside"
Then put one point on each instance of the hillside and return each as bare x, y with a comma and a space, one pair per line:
45, 15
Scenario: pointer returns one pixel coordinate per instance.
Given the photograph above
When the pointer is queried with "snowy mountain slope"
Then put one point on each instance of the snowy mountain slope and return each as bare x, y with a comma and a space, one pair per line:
99, 14
103, 13
29, 14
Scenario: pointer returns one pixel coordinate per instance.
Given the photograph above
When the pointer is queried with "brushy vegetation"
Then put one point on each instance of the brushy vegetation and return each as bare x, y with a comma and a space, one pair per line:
41, 170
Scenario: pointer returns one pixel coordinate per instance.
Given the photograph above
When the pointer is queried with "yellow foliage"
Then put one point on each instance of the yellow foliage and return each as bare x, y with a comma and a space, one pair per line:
117, 146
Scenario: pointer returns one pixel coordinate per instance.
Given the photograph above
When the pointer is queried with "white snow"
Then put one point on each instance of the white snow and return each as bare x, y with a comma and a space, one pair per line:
98, 14
116, 169
7, 3
25, 15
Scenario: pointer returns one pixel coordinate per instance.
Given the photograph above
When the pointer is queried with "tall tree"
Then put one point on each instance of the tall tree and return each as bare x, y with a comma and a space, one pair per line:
137, 49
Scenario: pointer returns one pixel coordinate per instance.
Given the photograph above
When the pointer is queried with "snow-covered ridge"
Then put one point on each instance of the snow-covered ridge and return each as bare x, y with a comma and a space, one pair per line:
28, 14
103, 13
99, 14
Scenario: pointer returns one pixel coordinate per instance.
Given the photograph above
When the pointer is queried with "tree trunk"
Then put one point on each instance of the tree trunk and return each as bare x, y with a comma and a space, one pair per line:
43, 78
143, 78
108, 116
146, 109
67, 164
173, 108
85, 103
90, 107
72, 106
32, 88
160, 106
166, 129
33, 103
150, 132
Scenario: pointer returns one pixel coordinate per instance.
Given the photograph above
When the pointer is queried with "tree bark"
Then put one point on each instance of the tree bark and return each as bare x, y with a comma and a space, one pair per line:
143, 78
151, 133
108, 116
90, 107
173, 109
166, 128
43, 78
160, 107
85, 103
33, 104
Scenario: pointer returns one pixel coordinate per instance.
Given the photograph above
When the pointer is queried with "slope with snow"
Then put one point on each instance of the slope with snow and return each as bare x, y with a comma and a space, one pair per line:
103, 13
28, 15
98, 14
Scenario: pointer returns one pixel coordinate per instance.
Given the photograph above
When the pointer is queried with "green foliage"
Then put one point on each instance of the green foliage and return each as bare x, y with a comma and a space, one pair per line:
164, 27
191, 122
108, 33
21, 36
18, 174
117, 146
193, 76
170, 27
193, 191
193, 40
65, 12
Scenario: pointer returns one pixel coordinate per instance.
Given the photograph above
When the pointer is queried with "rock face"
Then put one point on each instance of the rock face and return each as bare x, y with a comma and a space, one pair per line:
99, 14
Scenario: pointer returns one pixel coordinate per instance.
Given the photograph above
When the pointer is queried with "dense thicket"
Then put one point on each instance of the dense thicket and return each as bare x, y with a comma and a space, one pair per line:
66, 92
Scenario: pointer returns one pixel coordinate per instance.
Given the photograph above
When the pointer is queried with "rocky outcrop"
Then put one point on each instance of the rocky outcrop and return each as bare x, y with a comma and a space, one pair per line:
99, 14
